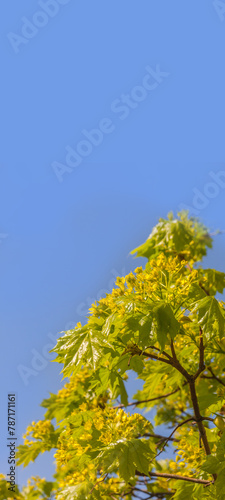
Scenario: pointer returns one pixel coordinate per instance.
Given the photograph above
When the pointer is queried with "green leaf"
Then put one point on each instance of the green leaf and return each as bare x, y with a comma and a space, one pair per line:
216, 280
187, 491
206, 401
210, 465
111, 379
127, 456
176, 236
28, 453
210, 313
164, 323
195, 294
79, 491
81, 346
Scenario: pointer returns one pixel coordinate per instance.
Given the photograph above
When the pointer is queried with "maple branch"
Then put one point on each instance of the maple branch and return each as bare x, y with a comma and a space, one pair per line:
176, 364
214, 376
136, 403
170, 436
173, 349
201, 355
158, 436
198, 417
189, 267
171, 361
175, 476
151, 495
157, 358
157, 349
97, 482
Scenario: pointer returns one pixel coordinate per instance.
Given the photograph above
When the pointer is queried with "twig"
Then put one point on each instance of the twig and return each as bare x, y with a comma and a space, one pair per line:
175, 476
136, 403
201, 355
97, 482
157, 358
214, 376
157, 349
161, 438
170, 436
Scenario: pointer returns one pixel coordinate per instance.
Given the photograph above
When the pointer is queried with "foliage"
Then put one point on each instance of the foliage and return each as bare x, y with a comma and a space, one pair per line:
165, 323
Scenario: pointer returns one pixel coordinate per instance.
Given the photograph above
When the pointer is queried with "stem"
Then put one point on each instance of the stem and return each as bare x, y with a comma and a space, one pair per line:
175, 476
214, 376
170, 436
201, 355
176, 364
136, 403
199, 418
173, 350
157, 349
172, 362
157, 358
161, 438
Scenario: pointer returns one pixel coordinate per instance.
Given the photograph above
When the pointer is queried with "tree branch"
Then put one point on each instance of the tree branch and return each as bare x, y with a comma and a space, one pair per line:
157, 358
161, 438
172, 362
201, 355
214, 376
175, 476
157, 349
170, 436
198, 417
136, 403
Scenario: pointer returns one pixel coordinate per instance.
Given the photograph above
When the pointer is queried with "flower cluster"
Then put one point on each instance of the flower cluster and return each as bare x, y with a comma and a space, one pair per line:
39, 430
163, 278
99, 428
74, 383
190, 456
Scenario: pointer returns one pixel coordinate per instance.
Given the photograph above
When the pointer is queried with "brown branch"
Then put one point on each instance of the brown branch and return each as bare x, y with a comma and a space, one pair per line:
201, 355
215, 377
170, 436
201, 351
172, 362
151, 495
157, 358
97, 482
189, 267
136, 403
157, 349
173, 349
203, 288
176, 364
198, 417
175, 476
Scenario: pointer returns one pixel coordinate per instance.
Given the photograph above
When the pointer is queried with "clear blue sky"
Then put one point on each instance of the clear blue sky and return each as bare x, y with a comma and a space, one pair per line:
149, 77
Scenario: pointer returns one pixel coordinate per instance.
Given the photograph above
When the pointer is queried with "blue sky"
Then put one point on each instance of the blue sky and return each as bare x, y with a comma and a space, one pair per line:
112, 115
